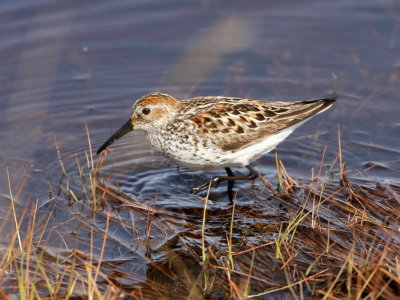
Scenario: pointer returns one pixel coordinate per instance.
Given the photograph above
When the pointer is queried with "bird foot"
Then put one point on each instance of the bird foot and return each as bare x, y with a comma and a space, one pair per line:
214, 181
230, 178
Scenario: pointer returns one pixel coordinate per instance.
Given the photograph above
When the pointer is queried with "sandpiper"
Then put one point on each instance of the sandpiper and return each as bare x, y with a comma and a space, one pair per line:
209, 133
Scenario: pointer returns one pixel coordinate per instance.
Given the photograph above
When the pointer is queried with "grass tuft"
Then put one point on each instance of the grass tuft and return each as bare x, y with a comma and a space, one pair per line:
327, 237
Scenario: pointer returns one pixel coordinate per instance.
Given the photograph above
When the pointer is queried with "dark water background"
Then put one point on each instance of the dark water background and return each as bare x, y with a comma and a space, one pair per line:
64, 64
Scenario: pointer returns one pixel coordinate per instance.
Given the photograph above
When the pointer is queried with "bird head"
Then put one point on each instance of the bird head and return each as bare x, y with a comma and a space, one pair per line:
150, 113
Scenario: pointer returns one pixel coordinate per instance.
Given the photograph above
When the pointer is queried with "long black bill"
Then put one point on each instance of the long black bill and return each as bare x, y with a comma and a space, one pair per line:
127, 127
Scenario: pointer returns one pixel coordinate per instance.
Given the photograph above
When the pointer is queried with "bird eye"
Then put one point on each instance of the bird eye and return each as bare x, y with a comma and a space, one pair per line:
146, 111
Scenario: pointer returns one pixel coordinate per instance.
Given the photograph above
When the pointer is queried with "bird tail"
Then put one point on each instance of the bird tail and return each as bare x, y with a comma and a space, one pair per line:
303, 110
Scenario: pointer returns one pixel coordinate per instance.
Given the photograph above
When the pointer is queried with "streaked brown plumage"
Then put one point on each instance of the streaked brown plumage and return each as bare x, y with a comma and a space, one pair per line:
215, 132
206, 132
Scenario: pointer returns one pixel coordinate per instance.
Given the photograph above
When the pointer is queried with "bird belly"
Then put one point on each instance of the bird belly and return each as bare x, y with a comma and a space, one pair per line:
194, 153
191, 152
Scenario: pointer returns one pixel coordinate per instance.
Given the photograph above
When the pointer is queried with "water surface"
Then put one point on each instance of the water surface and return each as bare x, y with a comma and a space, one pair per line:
72, 63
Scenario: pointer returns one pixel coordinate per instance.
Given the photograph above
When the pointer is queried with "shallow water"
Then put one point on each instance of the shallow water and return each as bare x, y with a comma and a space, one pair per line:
67, 64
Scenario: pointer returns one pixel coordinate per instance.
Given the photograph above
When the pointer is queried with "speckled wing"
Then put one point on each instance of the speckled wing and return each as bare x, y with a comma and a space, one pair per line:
232, 124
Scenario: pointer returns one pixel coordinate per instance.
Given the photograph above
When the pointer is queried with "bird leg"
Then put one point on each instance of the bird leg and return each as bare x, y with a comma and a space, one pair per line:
230, 178
230, 182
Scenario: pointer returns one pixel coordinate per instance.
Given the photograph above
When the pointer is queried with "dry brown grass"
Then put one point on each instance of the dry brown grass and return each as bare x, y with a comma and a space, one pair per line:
329, 239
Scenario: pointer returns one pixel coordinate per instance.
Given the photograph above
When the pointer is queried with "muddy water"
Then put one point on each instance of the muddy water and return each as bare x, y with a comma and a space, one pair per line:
71, 63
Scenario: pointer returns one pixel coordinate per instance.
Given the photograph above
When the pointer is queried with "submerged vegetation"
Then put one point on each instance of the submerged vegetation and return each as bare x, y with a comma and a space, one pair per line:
327, 238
